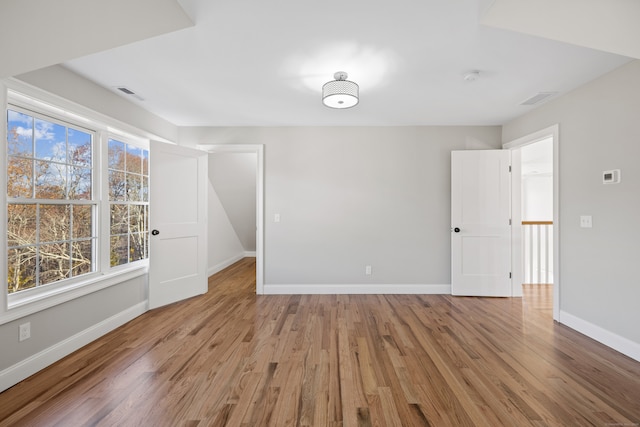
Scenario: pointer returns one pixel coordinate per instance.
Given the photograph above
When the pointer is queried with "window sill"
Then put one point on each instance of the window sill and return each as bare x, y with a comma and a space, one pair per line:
29, 304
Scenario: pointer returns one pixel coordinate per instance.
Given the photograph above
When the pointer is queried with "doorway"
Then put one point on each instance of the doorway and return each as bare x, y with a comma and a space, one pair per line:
535, 212
536, 167
247, 236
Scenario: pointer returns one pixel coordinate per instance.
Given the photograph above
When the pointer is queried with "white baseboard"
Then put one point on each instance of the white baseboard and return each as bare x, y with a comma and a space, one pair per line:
608, 338
25, 368
250, 254
224, 264
356, 289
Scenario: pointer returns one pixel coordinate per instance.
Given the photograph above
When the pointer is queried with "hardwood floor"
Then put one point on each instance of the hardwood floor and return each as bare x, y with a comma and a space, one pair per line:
236, 359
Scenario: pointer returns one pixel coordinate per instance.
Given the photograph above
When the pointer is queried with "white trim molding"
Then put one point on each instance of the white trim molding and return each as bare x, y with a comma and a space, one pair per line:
27, 367
360, 289
554, 132
608, 338
224, 264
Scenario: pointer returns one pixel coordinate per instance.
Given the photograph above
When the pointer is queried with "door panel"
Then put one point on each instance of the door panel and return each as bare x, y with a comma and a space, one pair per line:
480, 211
178, 253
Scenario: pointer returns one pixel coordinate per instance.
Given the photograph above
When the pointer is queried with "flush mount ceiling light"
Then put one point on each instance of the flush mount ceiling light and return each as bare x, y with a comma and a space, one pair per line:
340, 93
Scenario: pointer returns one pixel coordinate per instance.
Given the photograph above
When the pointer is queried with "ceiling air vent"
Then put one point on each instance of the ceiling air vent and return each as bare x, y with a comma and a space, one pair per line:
129, 92
538, 98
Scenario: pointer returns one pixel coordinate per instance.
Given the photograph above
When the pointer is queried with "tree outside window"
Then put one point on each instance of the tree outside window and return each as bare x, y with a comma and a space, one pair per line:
50, 211
129, 202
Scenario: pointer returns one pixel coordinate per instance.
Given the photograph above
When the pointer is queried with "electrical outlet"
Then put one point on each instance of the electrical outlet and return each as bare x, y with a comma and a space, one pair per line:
367, 270
586, 221
25, 331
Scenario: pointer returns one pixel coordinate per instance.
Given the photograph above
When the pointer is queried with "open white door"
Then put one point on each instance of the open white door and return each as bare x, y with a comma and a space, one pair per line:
480, 223
178, 253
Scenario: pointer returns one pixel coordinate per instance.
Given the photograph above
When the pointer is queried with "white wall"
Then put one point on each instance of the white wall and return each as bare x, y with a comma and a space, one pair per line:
233, 176
599, 130
224, 247
352, 196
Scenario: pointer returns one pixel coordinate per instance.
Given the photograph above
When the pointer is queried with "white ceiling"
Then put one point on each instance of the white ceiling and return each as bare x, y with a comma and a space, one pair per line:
257, 63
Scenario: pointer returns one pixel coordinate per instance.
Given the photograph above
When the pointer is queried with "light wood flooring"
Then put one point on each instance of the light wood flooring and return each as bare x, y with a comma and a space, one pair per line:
231, 358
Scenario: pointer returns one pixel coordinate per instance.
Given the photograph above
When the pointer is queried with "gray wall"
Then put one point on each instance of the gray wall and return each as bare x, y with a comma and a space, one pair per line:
355, 196
57, 324
599, 130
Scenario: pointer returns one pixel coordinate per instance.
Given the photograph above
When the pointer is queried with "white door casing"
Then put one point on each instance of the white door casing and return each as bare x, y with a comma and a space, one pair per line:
480, 223
178, 220
258, 149
550, 132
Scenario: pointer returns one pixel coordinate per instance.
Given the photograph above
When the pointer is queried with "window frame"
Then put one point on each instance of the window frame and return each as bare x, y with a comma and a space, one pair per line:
41, 104
128, 142
35, 201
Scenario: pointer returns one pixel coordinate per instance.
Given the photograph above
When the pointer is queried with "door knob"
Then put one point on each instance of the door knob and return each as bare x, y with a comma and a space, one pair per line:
155, 232
457, 230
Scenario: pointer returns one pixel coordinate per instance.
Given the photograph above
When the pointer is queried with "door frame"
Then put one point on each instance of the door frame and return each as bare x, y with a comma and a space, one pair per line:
516, 200
258, 149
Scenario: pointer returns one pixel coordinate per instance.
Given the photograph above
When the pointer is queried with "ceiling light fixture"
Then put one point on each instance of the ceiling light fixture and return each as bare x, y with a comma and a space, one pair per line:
340, 93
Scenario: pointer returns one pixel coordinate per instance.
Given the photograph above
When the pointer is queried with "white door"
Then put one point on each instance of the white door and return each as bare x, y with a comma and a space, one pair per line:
178, 253
480, 223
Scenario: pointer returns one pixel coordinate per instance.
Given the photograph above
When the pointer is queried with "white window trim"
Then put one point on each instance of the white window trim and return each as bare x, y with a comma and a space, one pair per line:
44, 102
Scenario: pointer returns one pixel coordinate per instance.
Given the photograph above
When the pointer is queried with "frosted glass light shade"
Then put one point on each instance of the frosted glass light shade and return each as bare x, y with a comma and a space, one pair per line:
340, 94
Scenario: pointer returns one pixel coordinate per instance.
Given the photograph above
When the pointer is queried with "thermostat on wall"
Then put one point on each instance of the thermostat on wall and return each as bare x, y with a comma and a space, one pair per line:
611, 177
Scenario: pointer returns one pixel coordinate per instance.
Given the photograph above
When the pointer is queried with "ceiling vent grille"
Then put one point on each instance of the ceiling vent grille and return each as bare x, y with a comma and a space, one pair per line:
538, 98
129, 92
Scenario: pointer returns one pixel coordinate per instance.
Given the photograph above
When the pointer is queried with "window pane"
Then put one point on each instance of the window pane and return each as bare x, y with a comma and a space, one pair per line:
82, 257
116, 186
146, 245
119, 219
134, 159
145, 189
119, 250
138, 218
51, 141
21, 225
51, 180
137, 241
21, 269
54, 223
19, 134
79, 183
50, 161
116, 155
145, 162
134, 188
19, 177
79, 144
54, 262
82, 221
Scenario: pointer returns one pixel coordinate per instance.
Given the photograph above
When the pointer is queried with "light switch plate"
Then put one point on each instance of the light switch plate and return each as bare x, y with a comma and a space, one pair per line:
586, 221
